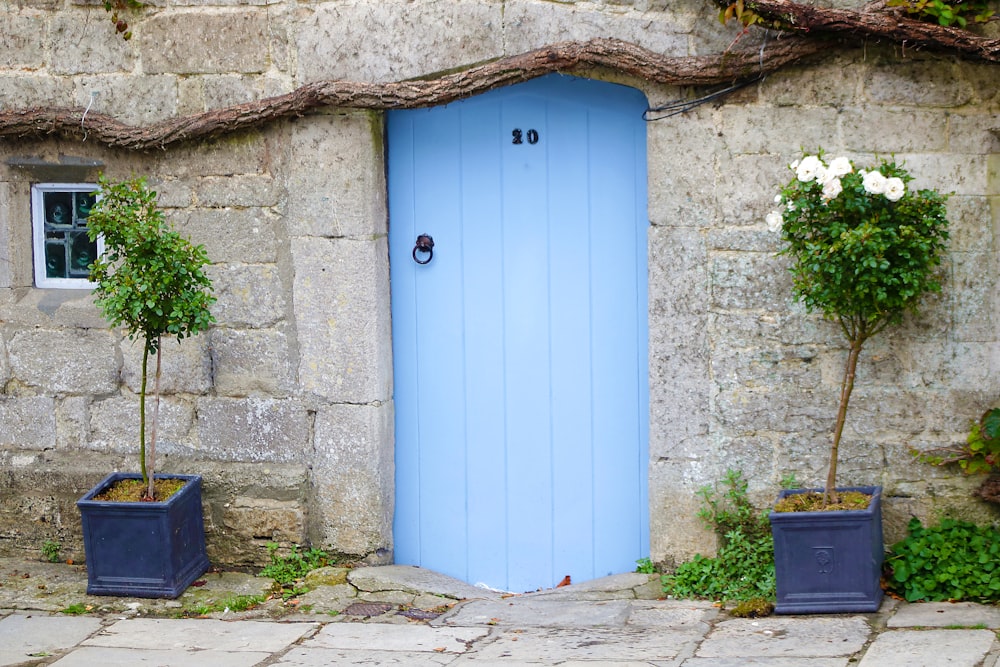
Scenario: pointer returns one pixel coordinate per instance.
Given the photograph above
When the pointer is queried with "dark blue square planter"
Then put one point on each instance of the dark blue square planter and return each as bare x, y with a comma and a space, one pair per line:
829, 562
148, 550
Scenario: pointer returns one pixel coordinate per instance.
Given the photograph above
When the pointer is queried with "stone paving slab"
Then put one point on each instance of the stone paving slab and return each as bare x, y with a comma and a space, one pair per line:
768, 662
562, 645
23, 636
200, 634
539, 612
786, 637
301, 657
942, 614
91, 656
929, 648
416, 580
674, 614
628, 585
389, 637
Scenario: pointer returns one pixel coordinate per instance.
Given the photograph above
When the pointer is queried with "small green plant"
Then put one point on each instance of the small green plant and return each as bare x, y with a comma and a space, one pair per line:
645, 566
953, 560
76, 609
981, 451
789, 482
287, 571
729, 509
743, 568
50, 550
946, 13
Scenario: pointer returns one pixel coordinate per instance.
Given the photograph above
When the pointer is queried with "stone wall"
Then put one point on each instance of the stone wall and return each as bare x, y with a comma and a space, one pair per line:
286, 405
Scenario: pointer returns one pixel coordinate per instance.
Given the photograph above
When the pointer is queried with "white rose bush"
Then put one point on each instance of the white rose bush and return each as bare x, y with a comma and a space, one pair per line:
864, 248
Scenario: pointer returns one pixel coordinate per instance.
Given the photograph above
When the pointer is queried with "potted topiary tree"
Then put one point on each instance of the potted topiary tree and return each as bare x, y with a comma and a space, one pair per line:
864, 248
143, 533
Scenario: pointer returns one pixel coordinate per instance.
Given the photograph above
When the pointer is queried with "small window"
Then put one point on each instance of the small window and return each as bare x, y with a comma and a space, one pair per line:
63, 251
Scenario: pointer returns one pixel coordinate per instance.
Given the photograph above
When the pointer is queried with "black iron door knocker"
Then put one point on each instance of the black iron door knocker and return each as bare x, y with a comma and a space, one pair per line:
424, 246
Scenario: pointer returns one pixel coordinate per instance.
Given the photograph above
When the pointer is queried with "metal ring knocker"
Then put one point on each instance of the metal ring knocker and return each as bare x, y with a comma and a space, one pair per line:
425, 244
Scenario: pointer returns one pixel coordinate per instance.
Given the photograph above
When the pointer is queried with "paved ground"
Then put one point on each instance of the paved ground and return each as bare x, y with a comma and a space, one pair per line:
400, 615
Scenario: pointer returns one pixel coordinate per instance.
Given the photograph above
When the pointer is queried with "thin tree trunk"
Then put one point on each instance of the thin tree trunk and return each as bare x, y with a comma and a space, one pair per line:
156, 422
846, 387
142, 413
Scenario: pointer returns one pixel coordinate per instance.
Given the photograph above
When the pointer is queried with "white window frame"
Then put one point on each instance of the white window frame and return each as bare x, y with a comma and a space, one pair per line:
38, 191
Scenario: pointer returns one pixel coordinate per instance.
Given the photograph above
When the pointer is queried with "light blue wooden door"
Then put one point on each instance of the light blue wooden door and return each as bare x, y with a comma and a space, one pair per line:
520, 347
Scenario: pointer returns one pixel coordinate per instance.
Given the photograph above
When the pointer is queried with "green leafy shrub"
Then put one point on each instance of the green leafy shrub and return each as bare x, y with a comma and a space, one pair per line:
743, 568
981, 452
946, 13
954, 560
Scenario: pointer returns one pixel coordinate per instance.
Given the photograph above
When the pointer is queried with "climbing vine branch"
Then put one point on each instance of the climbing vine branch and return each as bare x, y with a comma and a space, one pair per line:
806, 31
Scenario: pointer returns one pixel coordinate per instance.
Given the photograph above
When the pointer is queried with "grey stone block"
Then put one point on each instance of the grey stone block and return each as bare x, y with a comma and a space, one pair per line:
184, 43
27, 422
353, 477
135, 101
252, 362
917, 82
82, 46
343, 318
233, 235
349, 40
64, 361
23, 38
337, 171
529, 24
253, 429
248, 295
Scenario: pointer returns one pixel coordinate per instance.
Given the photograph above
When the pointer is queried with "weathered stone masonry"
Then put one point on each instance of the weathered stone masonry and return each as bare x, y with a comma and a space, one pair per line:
286, 405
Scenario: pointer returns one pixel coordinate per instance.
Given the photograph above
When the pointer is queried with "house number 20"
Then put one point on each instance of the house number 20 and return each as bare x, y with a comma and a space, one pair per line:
519, 136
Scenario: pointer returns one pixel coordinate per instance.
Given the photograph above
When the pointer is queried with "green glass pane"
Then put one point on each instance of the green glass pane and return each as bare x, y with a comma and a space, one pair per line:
55, 260
81, 253
59, 208
84, 202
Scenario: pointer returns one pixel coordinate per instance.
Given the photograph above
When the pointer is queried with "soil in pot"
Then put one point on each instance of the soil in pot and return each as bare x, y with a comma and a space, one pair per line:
812, 501
134, 490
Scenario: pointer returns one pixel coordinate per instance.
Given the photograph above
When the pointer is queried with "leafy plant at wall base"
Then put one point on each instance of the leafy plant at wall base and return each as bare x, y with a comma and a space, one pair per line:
150, 280
50, 550
981, 452
645, 566
743, 568
864, 246
286, 570
954, 560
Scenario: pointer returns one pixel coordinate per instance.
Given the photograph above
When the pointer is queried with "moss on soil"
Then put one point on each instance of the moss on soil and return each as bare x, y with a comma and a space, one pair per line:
134, 491
812, 501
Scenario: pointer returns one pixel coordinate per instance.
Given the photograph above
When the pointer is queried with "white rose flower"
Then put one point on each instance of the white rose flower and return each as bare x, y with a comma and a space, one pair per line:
774, 221
823, 175
895, 188
839, 167
807, 168
874, 183
777, 199
832, 188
